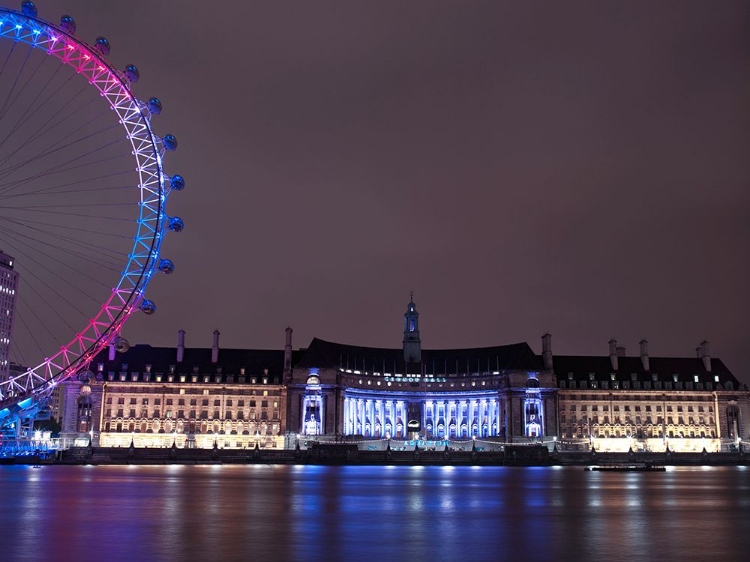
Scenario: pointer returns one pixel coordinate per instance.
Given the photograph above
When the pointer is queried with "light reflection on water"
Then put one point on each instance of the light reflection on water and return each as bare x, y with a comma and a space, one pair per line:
310, 513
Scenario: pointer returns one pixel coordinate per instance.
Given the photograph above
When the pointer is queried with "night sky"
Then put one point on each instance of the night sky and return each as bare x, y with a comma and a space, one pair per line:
579, 168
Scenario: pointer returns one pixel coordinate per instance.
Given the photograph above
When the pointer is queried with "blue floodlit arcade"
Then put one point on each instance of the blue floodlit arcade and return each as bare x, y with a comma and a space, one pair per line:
415, 393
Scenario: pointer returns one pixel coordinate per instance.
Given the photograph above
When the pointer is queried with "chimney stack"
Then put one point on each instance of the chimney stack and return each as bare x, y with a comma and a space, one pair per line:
288, 352
613, 353
112, 349
180, 345
215, 348
547, 351
644, 354
704, 354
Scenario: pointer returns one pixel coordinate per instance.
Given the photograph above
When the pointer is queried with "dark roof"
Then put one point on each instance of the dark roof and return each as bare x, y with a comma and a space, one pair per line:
324, 354
254, 361
581, 366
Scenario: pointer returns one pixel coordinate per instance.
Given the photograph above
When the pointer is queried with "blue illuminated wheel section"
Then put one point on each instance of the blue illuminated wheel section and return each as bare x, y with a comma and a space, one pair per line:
83, 196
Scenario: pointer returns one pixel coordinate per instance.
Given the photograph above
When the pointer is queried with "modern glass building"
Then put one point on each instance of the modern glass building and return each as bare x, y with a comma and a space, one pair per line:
8, 288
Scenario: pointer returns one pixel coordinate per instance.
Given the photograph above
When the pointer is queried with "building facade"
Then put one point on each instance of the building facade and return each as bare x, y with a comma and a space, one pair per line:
499, 392
158, 397
643, 403
190, 398
8, 288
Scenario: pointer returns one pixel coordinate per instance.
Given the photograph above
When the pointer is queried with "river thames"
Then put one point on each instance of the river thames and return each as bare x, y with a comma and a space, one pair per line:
311, 513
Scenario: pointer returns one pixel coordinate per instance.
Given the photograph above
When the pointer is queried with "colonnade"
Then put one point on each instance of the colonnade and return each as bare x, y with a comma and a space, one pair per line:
439, 417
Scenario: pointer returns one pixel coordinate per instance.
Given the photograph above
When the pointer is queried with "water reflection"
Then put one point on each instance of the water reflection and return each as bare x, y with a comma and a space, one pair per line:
383, 513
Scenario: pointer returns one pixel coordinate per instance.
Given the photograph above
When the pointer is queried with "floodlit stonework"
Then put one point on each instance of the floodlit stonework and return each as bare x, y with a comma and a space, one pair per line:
478, 397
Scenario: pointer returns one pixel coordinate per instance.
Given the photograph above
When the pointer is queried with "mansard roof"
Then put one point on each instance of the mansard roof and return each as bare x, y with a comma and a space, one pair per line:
662, 368
324, 354
255, 362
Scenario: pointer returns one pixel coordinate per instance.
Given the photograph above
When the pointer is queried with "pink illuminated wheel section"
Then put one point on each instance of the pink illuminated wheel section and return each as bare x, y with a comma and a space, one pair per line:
83, 195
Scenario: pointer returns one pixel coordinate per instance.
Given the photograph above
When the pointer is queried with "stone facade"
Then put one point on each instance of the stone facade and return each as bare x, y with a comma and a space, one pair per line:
207, 397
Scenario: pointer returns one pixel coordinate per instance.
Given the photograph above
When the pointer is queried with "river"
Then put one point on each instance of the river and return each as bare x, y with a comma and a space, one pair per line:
333, 513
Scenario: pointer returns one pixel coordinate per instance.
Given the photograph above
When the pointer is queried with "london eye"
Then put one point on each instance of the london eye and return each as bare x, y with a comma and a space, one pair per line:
83, 195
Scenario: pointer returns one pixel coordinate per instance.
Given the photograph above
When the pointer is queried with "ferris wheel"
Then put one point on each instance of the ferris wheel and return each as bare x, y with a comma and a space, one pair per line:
82, 203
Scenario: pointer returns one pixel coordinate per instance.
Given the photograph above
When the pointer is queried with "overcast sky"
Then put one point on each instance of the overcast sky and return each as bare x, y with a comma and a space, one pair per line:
573, 167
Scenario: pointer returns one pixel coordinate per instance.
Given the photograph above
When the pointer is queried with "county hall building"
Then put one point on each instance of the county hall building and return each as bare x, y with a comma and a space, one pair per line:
242, 398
